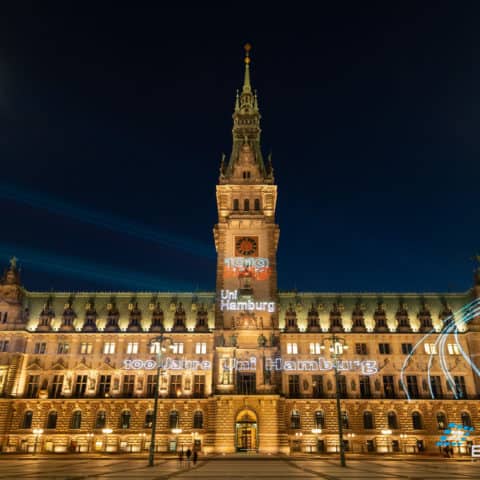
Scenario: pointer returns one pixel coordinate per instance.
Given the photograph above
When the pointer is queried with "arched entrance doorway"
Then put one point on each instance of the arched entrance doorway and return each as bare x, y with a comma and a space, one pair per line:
246, 431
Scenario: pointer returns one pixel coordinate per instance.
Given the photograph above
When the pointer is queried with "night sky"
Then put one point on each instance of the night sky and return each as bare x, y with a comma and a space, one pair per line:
113, 121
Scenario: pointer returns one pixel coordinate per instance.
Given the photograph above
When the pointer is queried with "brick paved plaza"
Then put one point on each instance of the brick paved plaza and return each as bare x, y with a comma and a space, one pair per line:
236, 467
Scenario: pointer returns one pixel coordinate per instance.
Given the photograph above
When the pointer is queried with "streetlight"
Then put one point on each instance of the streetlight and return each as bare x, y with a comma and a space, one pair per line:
37, 432
106, 432
159, 341
337, 346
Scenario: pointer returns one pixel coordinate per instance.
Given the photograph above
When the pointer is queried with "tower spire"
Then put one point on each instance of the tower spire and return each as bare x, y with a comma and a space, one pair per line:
246, 132
247, 88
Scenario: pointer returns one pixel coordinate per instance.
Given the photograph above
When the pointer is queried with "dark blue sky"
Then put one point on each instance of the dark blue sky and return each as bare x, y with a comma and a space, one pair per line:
113, 121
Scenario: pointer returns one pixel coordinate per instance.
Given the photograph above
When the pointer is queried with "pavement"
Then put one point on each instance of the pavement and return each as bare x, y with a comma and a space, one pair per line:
80, 467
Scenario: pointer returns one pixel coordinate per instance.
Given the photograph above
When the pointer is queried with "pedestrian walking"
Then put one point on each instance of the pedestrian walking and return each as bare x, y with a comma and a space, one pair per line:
189, 454
195, 457
180, 458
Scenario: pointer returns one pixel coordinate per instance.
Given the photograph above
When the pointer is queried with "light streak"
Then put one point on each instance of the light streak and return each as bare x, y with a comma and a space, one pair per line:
106, 220
447, 328
55, 263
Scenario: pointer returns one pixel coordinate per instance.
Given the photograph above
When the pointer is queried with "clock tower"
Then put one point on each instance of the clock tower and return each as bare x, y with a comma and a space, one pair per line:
246, 235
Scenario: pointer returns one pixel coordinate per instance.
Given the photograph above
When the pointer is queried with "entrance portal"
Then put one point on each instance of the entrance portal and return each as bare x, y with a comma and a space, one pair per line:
246, 431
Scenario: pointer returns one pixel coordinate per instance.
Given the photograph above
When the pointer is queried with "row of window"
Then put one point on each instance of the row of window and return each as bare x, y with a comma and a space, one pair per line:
101, 420
434, 387
105, 384
109, 348
383, 348
246, 203
368, 418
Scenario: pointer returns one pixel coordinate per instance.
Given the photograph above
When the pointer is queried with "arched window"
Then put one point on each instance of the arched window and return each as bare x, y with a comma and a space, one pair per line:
148, 419
417, 421
76, 420
466, 419
198, 419
368, 420
246, 204
295, 419
173, 419
256, 204
27, 419
441, 421
101, 419
392, 420
125, 419
345, 423
236, 205
51, 420
319, 419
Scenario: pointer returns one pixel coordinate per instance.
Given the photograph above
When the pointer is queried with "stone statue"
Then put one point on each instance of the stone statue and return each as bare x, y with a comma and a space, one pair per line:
261, 340
233, 340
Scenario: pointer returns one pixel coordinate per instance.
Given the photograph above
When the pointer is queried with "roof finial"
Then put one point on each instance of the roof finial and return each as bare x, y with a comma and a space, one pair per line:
246, 82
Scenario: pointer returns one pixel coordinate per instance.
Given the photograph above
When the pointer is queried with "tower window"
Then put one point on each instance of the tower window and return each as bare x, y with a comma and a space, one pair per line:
236, 204
246, 204
246, 175
257, 204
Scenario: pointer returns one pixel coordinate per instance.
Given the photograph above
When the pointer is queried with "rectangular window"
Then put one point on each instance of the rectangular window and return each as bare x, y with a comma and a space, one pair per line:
80, 386
436, 386
294, 385
430, 348
128, 385
342, 386
292, 348
175, 385
384, 348
198, 385
40, 348
104, 385
32, 386
453, 349
132, 347
412, 386
109, 348
57, 385
4, 345
151, 384
361, 348
365, 391
200, 347
315, 348
407, 348
388, 386
63, 348
317, 386
86, 348
177, 348
460, 386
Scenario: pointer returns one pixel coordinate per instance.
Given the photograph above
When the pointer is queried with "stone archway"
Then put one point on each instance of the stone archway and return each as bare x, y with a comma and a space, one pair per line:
246, 431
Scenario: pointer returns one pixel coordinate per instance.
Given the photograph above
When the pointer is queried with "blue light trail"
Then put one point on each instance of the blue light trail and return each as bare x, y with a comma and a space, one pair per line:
106, 220
93, 271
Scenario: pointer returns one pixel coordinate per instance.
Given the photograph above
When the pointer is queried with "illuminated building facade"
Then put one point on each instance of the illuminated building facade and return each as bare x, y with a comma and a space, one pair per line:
248, 368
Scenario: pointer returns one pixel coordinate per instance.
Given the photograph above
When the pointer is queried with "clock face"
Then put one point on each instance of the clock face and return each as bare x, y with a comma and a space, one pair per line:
246, 246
